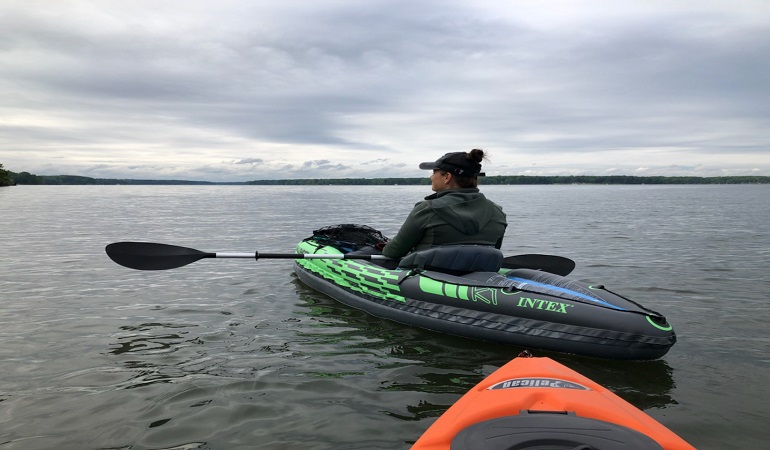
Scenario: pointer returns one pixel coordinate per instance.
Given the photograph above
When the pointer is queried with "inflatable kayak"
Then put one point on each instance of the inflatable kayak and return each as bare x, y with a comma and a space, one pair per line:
537, 403
523, 307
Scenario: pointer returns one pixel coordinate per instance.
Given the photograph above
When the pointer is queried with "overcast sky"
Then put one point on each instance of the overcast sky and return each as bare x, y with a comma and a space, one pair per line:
234, 90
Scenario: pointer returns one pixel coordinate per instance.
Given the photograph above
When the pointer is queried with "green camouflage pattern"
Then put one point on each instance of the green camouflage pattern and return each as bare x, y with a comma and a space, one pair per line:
364, 278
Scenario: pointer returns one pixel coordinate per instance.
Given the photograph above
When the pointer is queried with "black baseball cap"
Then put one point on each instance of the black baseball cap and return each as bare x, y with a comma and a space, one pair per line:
456, 163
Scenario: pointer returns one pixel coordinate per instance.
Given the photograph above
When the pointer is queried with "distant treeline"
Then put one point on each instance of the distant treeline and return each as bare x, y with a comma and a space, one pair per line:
527, 179
28, 178
5, 177
9, 178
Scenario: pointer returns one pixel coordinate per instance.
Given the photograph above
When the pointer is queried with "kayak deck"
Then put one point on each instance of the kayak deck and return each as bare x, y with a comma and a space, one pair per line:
538, 400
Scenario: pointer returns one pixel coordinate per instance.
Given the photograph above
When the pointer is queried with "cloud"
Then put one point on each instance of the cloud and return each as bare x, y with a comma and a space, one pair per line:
250, 89
249, 161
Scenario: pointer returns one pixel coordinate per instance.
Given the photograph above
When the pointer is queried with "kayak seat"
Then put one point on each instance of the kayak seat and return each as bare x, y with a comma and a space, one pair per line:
455, 259
538, 430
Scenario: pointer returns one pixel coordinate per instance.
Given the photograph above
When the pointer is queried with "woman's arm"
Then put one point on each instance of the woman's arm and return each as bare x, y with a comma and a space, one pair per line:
410, 234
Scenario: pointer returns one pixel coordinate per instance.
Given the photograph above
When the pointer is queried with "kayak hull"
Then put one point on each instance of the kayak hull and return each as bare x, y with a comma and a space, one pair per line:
537, 400
525, 308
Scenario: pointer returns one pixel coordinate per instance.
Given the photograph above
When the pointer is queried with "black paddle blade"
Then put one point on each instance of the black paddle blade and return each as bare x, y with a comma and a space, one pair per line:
151, 256
558, 265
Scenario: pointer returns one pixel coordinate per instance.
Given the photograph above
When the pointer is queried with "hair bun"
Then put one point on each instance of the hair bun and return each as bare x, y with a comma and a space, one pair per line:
476, 154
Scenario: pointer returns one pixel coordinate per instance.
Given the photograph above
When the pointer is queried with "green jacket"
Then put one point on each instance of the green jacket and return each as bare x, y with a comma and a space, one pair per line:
457, 216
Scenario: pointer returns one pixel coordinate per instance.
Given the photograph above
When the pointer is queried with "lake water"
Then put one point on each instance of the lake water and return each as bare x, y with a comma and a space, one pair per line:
236, 354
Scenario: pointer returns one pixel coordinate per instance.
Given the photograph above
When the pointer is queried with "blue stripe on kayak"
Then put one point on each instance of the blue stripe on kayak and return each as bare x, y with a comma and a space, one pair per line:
566, 291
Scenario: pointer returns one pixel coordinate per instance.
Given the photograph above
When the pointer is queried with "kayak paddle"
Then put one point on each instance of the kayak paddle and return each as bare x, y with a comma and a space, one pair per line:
154, 256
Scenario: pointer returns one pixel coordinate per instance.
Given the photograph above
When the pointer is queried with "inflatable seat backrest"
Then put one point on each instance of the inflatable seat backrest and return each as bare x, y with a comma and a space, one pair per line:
455, 259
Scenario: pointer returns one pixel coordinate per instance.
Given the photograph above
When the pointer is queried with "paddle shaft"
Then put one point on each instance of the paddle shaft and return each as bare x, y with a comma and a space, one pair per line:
258, 255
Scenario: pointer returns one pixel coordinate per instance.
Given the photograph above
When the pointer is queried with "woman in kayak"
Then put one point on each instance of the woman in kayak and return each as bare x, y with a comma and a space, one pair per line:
457, 213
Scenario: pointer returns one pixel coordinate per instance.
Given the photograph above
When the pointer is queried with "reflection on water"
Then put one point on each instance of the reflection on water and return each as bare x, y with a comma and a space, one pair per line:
258, 377
150, 338
443, 364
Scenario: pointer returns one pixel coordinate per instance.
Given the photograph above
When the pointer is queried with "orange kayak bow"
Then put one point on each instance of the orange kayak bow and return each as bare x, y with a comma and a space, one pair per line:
537, 403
